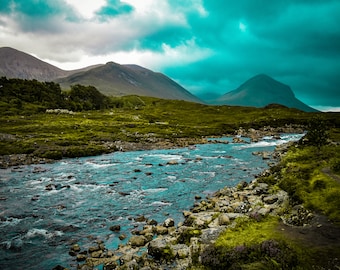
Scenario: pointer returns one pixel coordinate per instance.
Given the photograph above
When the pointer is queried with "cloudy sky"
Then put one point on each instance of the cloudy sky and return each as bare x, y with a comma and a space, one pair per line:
208, 46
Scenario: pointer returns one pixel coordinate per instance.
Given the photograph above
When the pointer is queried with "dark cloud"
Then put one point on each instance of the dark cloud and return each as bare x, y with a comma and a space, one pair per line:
39, 16
296, 42
113, 8
209, 46
173, 35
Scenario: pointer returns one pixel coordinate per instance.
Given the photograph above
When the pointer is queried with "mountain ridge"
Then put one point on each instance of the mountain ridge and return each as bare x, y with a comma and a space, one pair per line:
110, 78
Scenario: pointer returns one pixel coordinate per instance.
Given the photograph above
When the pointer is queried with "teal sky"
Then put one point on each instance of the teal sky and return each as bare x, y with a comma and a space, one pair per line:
208, 46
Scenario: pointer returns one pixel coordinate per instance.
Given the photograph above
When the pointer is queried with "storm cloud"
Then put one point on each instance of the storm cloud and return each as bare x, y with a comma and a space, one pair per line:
210, 47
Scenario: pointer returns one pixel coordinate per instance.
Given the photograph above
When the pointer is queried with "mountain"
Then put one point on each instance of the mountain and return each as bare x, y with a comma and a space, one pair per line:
17, 64
118, 80
111, 79
260, 91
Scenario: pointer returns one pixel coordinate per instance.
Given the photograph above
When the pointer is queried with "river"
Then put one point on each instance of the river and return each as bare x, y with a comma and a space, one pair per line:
46, 208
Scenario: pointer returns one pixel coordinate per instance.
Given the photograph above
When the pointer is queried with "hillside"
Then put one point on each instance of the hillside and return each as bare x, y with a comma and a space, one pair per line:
260, 91
118, 80
17, 64
111, 79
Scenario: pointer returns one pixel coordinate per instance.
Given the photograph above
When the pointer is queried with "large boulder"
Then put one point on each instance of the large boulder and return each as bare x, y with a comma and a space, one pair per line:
160, 249
138, 240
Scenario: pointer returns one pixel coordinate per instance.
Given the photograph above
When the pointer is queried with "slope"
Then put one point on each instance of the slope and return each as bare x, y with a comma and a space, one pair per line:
260, 91
119, 80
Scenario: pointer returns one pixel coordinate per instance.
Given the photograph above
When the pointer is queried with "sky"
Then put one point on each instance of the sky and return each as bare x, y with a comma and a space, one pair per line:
210, 47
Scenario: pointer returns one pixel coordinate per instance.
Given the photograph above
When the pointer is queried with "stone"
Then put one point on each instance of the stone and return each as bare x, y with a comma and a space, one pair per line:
115, 228
152, 222
93, 249
159, 248
161, 229
270, 199
59, 267
110, 265
172, 162
75, 248
261, 188
140, 219
97, 254
242, 185
263, 211
81, 257
209, 235
223, 219
201, 220
181, 251
169, 222
146, 229
138, 240
122, 236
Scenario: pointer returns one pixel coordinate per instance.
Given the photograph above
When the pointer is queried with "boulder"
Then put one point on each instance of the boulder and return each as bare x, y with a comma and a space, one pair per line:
97, 254
122, 236
152, 222
115, 228
75, 248
270, 199
181, 251
161, 229
172, 162
93, 249
169, 222
138, 240
81, 257
223, 219
140, 218
160, 248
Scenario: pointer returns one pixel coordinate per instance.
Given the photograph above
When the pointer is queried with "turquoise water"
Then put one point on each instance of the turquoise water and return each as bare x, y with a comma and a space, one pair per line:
46, 208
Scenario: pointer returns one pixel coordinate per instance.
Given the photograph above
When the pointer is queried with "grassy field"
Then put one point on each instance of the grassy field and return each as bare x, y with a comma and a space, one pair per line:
137, 119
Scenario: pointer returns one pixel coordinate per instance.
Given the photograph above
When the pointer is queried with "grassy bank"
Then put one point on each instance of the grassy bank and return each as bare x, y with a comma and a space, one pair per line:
57, 134
311, 176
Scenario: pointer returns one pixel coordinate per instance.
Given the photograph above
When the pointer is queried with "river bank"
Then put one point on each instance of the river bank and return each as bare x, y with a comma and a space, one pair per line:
279, 233
154, 142
189, 244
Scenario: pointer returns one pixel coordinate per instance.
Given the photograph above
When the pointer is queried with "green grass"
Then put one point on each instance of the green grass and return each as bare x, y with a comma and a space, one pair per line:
137, 119
311, 176
255, 245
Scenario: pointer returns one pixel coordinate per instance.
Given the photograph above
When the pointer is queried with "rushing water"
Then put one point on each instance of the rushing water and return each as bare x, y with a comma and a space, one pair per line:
46, 208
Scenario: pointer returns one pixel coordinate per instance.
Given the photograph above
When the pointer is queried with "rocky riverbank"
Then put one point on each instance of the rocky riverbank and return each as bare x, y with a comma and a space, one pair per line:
166, 246
169, 246
154, 142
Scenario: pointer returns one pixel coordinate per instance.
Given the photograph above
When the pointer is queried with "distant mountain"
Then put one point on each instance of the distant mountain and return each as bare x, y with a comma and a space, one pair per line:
260, 91
118, 80
17, 64
110, 79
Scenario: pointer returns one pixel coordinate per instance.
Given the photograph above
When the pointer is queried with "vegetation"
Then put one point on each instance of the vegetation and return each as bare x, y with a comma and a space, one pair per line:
40, 120
252, 245
310, 173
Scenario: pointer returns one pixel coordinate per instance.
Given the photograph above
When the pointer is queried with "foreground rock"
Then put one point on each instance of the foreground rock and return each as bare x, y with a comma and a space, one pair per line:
167, 246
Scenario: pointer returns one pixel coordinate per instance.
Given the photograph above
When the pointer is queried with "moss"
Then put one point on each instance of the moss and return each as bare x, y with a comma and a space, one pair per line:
248, 232
255, 245
186, 235
311, 179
